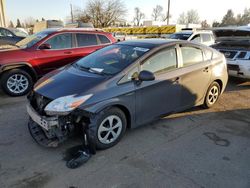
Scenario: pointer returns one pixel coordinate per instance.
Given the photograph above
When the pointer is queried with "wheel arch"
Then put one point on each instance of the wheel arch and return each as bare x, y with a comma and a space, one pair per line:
22, 65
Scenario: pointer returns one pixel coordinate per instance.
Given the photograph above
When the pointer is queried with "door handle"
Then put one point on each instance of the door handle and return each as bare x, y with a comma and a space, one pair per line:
206, 69
69, 52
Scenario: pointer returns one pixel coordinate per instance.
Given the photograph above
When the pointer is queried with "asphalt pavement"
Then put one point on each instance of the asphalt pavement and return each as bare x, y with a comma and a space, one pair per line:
196, 148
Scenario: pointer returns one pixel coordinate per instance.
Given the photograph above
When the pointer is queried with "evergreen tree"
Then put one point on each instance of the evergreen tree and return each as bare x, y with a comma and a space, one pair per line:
18, 23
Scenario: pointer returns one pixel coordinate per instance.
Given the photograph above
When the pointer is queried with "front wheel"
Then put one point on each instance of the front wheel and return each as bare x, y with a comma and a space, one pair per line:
107, 128
16, 82
212, 95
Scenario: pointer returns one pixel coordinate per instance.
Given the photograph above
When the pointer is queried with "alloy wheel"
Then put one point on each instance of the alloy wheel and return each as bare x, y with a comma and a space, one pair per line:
213, 95
17, 83
110, 129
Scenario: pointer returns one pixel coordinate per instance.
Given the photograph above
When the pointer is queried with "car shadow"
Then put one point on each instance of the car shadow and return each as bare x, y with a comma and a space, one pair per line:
236, 84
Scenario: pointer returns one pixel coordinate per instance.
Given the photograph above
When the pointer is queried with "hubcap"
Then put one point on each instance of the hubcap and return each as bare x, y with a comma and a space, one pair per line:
17, 83
213, 95
110, 129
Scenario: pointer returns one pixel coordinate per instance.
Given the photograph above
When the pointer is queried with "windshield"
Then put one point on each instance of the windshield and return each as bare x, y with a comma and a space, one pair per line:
31, 40
180, 36
112, 59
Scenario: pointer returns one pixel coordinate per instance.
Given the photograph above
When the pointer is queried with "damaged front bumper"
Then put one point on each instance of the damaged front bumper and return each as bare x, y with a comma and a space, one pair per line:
51, 131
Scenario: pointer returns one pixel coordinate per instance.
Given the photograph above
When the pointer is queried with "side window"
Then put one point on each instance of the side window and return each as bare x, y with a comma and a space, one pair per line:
206, 37
104, 39
86, 40
62, 41
208, 54
162, 61
191, 55
133, 73
196, 38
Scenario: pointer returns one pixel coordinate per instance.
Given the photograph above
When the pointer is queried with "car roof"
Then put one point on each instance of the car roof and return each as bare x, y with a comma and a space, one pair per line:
54, 30
148, 43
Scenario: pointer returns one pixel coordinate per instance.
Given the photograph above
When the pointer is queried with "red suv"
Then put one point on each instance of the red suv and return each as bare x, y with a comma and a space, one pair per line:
43, 52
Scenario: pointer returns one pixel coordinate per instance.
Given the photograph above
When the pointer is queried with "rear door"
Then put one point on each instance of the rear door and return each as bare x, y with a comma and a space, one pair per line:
88, 43
196, 74
161, 96
60, 54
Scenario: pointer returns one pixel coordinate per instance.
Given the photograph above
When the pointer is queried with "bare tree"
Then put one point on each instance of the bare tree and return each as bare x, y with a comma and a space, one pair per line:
104, 13
204, 24
191, 16
29, 22
138, 16
11, 25
157, 12
182, 18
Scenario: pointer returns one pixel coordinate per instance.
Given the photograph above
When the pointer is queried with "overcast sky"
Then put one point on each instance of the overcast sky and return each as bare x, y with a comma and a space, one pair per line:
210, 10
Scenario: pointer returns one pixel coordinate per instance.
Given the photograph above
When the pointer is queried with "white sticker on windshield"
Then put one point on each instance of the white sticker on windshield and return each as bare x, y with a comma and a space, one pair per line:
97, 69
141, 49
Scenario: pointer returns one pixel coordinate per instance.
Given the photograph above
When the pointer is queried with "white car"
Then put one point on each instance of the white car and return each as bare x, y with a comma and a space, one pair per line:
205, 37
234, 43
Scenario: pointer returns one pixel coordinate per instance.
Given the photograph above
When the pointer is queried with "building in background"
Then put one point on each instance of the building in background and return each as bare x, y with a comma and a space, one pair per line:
2, 13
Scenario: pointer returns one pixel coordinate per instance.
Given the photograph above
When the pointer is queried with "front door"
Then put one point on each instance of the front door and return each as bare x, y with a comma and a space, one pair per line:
161, 96
60, 54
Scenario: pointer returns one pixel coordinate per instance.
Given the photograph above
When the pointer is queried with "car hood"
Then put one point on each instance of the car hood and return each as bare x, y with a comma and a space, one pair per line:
68, 81
232, 34
13, 55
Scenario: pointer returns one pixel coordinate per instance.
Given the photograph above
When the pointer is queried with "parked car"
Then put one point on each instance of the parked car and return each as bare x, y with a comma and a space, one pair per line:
122, 86
43, 52
120, 36
234, 43
10, 36
201, 36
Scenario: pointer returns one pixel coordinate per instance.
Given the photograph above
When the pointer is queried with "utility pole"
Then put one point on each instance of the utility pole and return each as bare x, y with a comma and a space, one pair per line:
2, 13
168, 13
71, 12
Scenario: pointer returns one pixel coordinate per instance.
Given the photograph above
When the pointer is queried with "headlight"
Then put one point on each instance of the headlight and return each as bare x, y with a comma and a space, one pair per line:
65, 105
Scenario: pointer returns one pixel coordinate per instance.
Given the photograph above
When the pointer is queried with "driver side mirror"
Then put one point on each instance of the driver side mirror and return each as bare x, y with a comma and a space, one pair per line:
45, 47
146, 76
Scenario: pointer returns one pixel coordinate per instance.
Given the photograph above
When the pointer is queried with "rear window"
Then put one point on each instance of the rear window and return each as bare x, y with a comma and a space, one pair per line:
86, 40
191, 55
208, 54
104, 39
206, 37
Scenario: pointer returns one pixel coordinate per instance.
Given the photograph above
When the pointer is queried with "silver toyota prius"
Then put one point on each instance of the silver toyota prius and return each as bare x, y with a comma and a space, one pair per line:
123, 86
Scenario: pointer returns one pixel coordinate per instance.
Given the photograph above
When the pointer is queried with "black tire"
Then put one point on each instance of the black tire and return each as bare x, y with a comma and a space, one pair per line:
8, 74
208, 103
96, 121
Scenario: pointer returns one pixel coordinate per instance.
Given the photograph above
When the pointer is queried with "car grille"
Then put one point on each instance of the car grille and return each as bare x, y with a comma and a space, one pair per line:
229, 54
233, 67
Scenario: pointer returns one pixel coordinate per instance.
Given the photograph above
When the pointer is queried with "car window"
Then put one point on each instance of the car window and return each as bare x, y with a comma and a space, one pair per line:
104, 39
111, 59
62, 41
191, 55
206, 37
208, 54
133, 73
164, 60
86, 40
5, 33
196, 38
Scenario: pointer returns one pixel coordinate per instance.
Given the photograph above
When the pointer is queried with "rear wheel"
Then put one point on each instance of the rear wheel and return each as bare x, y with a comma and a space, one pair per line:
212, 95
107, 128
16, 82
